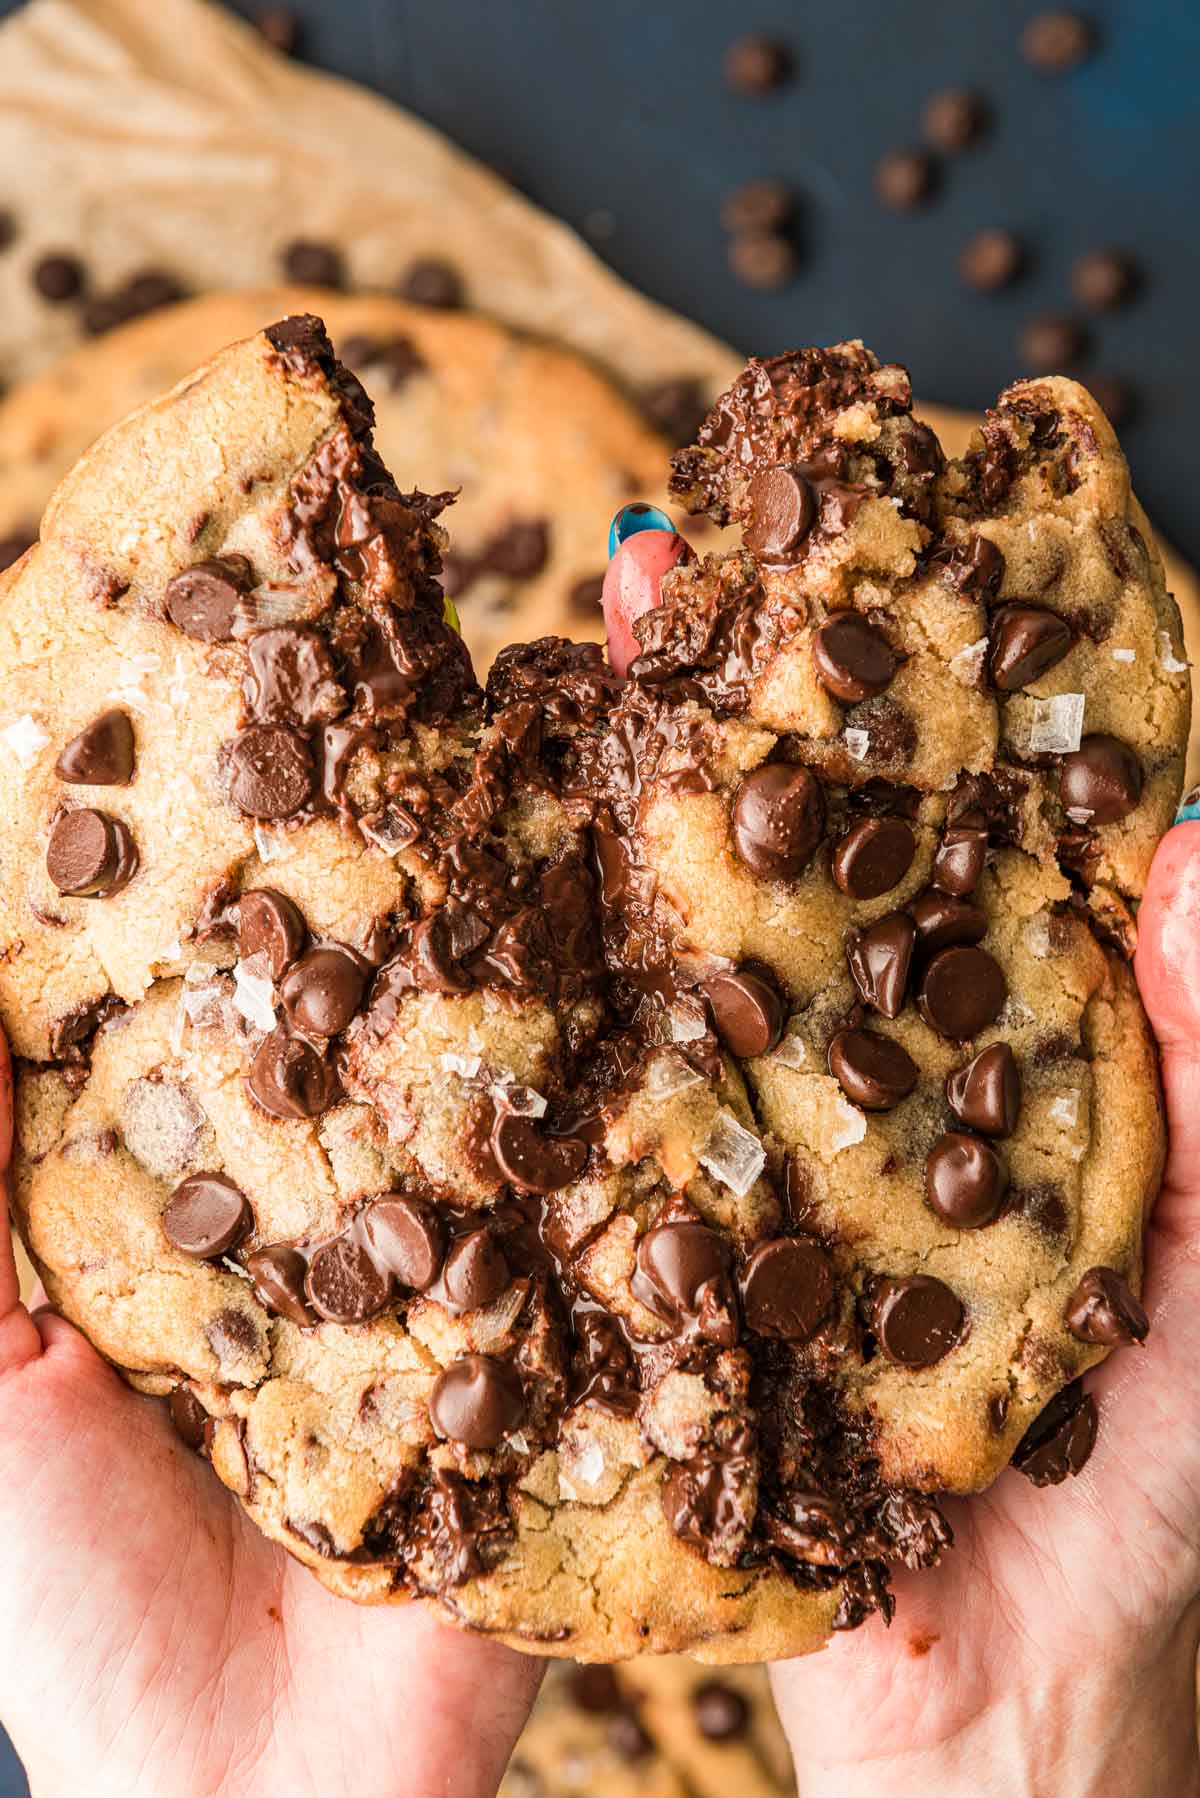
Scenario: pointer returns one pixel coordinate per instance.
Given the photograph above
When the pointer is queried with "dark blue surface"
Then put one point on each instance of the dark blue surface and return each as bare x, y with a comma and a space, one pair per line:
615, 116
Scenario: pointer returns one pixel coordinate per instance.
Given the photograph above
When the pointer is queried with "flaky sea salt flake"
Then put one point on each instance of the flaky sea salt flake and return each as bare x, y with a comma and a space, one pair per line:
1057, 725
967, 665
25, 739
253, 997
267, 846
858, 742
791, 1053
850, 1127
670, 1074
1168, 661
1124, 655
465, 1066
1065, 1110
732, 1154
687, 1023
521, 1101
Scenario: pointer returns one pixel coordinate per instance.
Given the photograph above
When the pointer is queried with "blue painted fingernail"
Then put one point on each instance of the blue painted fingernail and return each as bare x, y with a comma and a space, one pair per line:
1189, 807
632, 519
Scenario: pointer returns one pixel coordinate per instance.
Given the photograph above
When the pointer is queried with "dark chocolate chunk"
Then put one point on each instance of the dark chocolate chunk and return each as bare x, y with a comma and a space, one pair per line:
941, 919
313, 264
854, 660
345, 1284
1052, 342
289, 1078
985, 1093
90, 855
992, 259
1101, 782
628, 1737
961, 854
407, 1238
1103, 280
278, 1273
787, 1288
1056, 42
519, 551
1025, 642
203, 600
758, 206
917, 1319
763, 260
747, 1008
475, 1274
595, 1688
682, 1275
477, 1401
322, 991
1059, 1442
586, 597
874, 856
430, 282
1103, 1309
189, 1418
778, 819
756, 65
291, 678
59, 277
954, 119
965, 1180
781, 513
207, 1215
532, 1161
271, 773
962, 991
676, 407
101, 755
270, 925
872, 1070
905, 179
721, 1713
879, 959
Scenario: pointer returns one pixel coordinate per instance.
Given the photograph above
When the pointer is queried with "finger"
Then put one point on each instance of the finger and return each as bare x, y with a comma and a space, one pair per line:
19, 1339
632, 585
1167, 965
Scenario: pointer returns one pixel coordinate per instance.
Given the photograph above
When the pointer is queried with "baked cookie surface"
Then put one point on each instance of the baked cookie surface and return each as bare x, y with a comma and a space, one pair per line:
597, 1156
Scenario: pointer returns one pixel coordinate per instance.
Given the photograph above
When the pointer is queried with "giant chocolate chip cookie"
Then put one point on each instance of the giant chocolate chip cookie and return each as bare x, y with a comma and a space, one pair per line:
599, 1156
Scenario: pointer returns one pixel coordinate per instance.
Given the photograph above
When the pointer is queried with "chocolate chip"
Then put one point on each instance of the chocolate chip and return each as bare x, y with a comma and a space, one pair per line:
280, 26
1103, 280
961, 854
985, 1092
207, 1215
778, 819
149, 290
189, 1418
763, 260
916, 1319
787, 1288
628, 1738
430, 282
203, 600
992, 259
872, 1070
271, 926
975, 568
965, 1180
101, 755
90, 855
756, 65
313, 264
1060, 1440
271, 772
322, 991
291, 678
585, 598
879, 959
289, 1078
344, 1284
781, 513
476, 1401
59, 277
942, 919
747, 1008
1103, 1309
1025, 642
905, 179
1055, 42
962, 991
1101, 782
854, 660
1052, 342
676, 407
519, 551
595, 1689
721, 1714
475, 1274
682, 1274
954, 119
407, 1238
533, 1162
758, 206
873, 857
1114, 396
278, 1274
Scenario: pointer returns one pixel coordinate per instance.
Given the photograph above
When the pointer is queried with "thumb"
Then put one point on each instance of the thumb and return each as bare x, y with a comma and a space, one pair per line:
1167, 966
644, 552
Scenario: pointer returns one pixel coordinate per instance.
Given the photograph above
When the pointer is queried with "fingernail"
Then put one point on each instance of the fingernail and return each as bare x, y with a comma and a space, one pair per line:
634, 518
1189, 807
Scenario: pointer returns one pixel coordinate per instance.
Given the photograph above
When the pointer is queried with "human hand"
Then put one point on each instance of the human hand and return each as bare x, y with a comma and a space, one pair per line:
152, 1641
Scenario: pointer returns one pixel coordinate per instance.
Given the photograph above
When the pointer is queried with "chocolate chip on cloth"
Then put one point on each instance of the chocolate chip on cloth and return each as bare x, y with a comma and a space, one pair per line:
594, 1151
